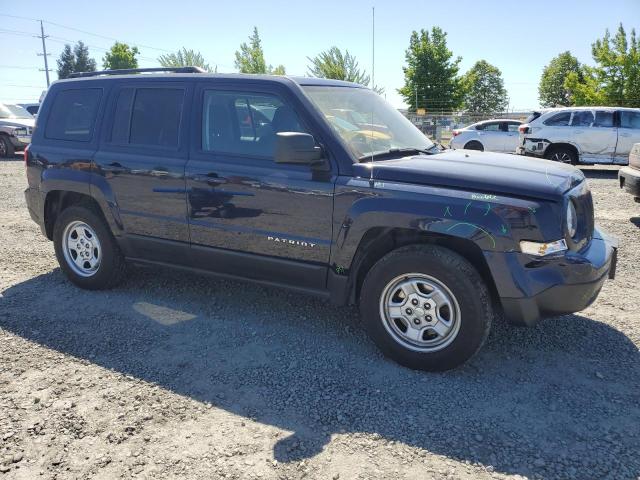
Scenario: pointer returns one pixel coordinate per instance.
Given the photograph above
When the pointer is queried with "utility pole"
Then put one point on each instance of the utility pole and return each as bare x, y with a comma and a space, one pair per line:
44, 52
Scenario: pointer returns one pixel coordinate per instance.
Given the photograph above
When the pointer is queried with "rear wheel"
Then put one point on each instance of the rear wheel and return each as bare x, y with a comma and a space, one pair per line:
562, 154
426, 307
86, 251
474, 145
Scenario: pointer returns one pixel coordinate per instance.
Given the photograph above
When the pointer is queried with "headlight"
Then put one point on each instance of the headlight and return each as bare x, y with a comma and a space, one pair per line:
572, 219
20, 131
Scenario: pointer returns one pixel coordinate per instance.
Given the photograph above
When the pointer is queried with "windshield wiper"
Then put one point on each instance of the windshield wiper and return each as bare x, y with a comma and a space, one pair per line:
393, 151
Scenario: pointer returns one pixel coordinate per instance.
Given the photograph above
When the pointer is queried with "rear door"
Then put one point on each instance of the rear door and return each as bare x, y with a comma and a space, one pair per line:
249, 216
141, 164
628, 134
511, 136
595, 135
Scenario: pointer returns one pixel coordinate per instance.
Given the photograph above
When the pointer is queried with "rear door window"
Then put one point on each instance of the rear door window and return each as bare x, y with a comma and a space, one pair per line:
582, 118
73, 114
559, 120
155, 119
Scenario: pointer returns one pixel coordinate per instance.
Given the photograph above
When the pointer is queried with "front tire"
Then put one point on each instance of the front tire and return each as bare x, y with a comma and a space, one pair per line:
426, 307
86, 250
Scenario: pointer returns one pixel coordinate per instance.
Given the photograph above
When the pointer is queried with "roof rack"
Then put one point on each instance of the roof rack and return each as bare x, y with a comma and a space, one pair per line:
128, 71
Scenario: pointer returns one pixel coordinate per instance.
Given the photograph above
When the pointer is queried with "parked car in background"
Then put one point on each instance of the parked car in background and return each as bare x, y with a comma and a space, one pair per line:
500, 135
32, 108
16, 126
581, 134
629, 177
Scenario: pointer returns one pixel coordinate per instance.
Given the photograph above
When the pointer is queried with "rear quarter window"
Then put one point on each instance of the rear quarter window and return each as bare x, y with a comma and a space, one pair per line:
559, 120
73, 115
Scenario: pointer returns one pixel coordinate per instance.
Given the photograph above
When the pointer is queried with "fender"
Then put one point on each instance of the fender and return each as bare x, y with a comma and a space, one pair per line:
493, 222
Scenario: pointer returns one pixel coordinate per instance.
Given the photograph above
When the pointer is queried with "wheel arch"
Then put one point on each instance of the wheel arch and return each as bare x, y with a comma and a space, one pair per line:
56, 201
556, 145
473, 140
379, 241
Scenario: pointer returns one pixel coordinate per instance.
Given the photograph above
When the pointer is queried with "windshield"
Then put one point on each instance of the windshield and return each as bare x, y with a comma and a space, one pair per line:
367, 124
13, 111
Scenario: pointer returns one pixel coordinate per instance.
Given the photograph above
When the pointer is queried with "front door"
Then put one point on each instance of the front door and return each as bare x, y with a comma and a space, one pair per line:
249, 216
141, 162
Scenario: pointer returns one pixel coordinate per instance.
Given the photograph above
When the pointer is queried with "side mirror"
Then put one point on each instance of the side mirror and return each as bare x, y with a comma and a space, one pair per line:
297, 148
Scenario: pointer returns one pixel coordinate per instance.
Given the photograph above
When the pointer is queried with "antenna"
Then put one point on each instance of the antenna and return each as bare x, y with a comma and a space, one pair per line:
373, 76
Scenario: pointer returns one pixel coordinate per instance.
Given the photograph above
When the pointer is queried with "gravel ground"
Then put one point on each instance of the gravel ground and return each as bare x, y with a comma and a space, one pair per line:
181, 376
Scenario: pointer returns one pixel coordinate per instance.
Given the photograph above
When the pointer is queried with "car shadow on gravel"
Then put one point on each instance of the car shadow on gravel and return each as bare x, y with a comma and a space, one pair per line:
601, 174
559, 399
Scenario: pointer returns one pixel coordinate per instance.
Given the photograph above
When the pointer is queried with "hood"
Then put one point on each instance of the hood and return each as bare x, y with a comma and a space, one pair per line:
17, 122
493, 173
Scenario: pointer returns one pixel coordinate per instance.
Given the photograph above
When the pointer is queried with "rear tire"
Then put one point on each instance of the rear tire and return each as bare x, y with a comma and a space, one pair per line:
86, 250
474, 145
6, 147
561, 154
445, 292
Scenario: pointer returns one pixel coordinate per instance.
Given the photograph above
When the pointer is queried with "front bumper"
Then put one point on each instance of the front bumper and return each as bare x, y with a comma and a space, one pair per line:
531, 288
629, 179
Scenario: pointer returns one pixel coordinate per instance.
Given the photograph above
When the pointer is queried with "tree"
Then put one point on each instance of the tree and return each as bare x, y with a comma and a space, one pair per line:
76, 60
615, 79
66, 62
84, 63
184, 58
551, 90
121, 56
338, 66
431, 73
250, 58
484, 90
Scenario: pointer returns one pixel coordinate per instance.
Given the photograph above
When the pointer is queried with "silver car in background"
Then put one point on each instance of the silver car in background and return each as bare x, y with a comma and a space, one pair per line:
499, 135
590, 135
16, 126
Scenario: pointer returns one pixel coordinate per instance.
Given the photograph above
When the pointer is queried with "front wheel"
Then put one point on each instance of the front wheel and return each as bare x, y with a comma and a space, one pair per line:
426, 307
86, 250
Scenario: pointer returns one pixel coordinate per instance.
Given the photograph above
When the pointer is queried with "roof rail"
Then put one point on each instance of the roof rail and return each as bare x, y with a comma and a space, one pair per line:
127, 71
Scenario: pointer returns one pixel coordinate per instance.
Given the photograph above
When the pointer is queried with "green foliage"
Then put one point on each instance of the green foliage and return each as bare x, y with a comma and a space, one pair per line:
484, 90
184, 58
338, 66
84, 63
120, 56
431, 72
615, 79
551, 90
66, 62
250, 57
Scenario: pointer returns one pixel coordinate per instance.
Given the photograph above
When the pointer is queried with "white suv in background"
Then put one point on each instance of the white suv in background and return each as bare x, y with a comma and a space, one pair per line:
581, 134
499, 135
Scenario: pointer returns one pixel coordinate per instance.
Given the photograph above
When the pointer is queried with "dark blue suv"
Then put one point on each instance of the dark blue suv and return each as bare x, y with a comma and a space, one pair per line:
314, 185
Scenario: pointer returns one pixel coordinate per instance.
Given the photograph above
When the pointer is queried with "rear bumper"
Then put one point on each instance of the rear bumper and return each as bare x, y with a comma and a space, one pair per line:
532, 288
629, 179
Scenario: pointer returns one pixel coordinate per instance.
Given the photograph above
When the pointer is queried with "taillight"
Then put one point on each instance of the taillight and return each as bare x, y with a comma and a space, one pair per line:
455, 132
523, 128
26, 155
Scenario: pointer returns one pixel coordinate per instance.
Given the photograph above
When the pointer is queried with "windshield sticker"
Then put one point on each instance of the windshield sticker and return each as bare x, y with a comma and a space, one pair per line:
483, 196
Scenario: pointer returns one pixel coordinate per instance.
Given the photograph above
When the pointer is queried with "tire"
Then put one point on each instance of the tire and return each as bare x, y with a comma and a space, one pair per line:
104, 266
561, 154
6, 147
457, 281
474, 145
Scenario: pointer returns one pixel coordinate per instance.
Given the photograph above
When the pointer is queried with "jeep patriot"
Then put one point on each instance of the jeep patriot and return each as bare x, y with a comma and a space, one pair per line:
262, 178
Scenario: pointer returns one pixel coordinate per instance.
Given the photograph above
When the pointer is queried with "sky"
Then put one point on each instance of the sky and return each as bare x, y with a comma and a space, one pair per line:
519, 37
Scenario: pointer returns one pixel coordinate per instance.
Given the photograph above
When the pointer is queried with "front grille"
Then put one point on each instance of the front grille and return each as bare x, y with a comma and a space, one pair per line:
583, 202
